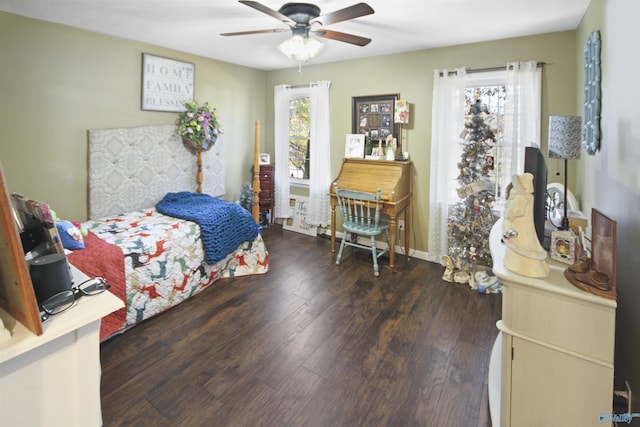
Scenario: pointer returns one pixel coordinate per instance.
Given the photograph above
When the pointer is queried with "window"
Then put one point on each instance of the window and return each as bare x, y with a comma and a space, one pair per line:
517, 124
513, 98
490, 88
493, 98
302, 149
299, 136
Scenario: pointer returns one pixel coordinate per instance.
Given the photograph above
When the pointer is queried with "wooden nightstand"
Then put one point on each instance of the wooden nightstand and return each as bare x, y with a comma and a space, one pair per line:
266, 192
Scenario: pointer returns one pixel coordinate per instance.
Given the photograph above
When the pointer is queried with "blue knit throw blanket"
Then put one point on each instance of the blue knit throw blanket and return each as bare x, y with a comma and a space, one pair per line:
223, 225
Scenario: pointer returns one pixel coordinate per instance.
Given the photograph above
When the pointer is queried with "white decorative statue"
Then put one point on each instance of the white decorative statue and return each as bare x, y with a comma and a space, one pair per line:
391, 147
524, 254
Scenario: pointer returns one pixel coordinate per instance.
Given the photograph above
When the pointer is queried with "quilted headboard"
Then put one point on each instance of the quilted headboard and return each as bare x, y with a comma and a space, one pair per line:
133, 168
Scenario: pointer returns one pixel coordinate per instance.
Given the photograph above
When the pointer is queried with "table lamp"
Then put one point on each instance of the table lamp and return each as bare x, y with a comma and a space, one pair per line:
564, 143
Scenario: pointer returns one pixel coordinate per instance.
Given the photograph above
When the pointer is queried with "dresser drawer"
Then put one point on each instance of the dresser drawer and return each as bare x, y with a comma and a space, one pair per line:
266, 190
265, 194
266, 184
266, 171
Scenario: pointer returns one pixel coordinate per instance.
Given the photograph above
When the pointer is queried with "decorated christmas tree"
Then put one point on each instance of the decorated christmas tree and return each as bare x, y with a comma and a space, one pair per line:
470, 220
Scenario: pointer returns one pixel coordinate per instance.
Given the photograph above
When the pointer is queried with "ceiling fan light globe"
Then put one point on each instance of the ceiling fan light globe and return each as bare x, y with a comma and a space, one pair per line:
301, 49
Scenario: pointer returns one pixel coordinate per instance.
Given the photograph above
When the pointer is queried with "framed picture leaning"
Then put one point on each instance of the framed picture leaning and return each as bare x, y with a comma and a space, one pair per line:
354, 146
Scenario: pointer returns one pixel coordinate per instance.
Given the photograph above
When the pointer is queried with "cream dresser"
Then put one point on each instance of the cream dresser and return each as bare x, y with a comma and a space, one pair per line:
54, 379
552, 363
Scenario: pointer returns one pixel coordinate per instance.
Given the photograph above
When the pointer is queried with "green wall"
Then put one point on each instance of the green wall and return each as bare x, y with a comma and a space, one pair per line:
610, 180
57, 82
411, 76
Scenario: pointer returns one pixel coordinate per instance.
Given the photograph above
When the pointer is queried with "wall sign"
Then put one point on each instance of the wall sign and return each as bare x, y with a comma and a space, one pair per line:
297, 222
166, 83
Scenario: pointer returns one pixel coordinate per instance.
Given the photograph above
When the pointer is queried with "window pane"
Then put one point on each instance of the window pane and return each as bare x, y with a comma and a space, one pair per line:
299, 128
493, 97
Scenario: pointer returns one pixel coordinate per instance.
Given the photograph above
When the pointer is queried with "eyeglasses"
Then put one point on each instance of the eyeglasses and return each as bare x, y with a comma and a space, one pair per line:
64, 300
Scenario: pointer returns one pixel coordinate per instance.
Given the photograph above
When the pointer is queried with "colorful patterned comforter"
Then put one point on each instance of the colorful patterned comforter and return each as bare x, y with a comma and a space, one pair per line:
160, 263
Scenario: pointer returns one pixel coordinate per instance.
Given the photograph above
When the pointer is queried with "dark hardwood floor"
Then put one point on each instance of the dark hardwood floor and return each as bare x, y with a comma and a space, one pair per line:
309, 344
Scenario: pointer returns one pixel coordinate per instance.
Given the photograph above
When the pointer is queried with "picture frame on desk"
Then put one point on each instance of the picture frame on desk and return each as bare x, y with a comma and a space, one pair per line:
597, 275
603, 250
375, 154
563, 246
354, 146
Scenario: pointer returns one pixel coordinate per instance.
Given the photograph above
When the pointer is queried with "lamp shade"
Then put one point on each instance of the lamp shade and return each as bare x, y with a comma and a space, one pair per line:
565, 137
401, 112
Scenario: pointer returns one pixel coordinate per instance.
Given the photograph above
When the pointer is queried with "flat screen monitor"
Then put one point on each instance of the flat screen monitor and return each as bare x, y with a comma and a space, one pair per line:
535, 164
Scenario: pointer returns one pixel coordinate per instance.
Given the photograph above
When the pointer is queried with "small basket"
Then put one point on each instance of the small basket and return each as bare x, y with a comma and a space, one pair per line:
198, 148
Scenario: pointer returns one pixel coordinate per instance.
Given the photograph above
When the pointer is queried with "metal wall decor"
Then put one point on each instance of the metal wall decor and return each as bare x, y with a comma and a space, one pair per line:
592, 95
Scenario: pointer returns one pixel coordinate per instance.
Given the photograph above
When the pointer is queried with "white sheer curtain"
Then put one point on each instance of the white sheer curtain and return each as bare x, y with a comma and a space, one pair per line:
320, 155
319, 147
521, 117
446, 125
281, 138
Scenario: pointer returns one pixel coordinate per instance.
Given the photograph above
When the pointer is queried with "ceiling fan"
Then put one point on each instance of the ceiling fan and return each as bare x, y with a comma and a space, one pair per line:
305, 18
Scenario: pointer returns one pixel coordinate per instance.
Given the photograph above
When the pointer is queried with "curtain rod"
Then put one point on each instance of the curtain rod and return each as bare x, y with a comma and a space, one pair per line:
484, 70
301, 86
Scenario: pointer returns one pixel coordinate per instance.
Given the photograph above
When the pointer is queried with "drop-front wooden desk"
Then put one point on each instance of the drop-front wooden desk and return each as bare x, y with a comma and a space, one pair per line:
393, 177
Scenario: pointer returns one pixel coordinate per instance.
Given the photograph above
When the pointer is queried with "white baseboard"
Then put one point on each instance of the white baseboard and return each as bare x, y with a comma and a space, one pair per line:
399, 250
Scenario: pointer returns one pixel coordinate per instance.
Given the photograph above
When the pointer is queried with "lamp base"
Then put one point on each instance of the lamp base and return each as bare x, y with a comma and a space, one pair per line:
565, 219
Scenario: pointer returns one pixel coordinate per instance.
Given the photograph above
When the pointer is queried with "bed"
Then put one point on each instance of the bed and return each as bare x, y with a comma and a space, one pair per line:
143, 235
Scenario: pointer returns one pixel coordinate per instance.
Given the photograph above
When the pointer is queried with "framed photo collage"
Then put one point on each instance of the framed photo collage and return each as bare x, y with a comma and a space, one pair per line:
373, 118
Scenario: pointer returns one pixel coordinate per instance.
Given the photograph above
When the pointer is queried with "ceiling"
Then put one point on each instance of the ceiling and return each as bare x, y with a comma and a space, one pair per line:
194, 26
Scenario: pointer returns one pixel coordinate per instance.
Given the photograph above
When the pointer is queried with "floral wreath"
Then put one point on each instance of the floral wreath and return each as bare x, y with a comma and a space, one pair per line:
198, 125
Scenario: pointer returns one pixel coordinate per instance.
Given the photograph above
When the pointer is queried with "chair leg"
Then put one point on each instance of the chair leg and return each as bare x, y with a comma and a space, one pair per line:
375, 256
342, 243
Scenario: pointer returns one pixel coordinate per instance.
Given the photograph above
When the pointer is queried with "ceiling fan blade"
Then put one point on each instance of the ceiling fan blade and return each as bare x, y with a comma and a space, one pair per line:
264, 9
243, 33
343, 37
351, 12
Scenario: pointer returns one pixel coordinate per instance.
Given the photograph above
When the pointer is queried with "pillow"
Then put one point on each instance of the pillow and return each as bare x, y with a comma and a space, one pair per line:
70, 235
